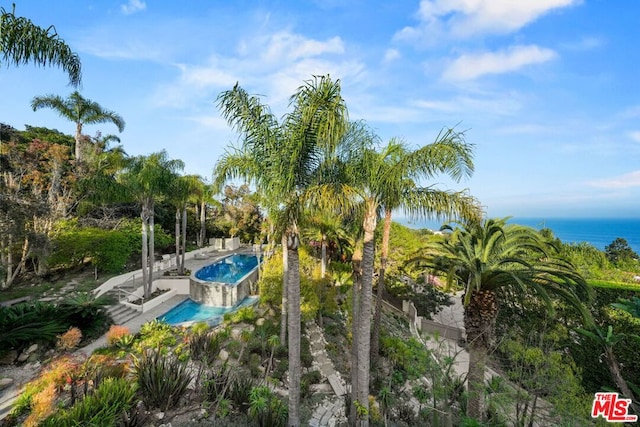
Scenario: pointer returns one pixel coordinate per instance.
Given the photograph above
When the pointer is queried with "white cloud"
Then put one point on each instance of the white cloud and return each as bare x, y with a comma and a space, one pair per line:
391, 55
465, 18
584, 44
287, 46
276, 64
629, 180
635, 135
133, 6
472, 66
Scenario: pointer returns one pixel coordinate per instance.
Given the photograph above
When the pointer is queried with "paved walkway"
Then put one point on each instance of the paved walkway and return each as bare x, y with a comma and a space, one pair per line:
331, 410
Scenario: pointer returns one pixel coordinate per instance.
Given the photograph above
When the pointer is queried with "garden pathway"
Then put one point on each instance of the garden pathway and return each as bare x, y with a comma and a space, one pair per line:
331, 411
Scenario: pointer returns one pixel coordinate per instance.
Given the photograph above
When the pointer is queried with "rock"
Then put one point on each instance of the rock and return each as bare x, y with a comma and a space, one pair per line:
223, 355
31, 349
32, 357
160, 416
260, 321
5, 382
9, 358
33, 366
23, 357
321, 388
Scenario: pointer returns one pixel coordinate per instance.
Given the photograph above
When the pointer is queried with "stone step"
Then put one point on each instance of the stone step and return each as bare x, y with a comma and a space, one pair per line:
7, 399
121, 314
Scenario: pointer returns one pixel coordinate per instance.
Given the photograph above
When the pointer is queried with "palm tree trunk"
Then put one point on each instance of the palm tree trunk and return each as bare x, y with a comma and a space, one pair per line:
616, 375
177, 231
384, 253
475, 379
285, 281
294, 330
356, 263
152, 250
78, 147
144, 216
323, 258
203, 224
184, 237
364, 314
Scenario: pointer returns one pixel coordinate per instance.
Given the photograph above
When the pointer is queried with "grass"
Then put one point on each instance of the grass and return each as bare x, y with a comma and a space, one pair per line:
39, 288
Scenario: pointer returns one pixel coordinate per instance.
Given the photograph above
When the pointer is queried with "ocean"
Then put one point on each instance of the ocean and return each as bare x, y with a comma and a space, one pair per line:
599, 232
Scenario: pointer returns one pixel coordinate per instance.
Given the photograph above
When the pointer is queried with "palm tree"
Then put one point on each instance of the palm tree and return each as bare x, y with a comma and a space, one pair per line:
146, 180
607, 340
79, 110
183, 189
325, 227
283, 161
449, 154
488, 256
22, 42
202, 197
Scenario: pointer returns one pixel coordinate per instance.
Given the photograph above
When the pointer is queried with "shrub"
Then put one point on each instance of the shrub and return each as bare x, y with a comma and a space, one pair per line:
86, 312
42, 405
313, 377
111, 399
205, 346
162, 380
217, 383
115, 333
266, 408
25, 323
245, 314
156, 334
100, 366
57, 374
240, 390
69, 340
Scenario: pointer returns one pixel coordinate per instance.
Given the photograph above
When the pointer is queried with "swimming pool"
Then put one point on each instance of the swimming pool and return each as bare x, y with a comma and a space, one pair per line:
189, 312
226, 282
228, 270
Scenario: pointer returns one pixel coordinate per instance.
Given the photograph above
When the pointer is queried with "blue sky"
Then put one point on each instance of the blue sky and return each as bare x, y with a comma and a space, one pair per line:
546, 90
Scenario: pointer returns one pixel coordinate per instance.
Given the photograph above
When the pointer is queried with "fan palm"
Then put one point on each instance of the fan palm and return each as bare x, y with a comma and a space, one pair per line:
22, 42
485, 257
283, 160
79, 110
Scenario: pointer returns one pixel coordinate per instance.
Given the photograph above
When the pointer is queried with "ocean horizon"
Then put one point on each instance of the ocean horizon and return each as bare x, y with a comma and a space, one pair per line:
599, 232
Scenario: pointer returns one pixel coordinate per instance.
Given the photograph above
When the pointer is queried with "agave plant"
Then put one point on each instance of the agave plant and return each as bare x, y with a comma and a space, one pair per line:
162, 380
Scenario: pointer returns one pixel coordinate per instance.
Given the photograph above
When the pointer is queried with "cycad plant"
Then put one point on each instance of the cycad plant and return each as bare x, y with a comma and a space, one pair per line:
491, 255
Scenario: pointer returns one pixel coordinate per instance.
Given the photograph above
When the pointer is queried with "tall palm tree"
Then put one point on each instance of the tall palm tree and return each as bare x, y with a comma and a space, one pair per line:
22, 42
79, 110
450, 155
283, 160
146, 180
326, 228
202, 198
487, 257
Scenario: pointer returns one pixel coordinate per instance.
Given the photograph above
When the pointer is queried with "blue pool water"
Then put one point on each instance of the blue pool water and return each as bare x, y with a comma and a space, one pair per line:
189, 311
228, 270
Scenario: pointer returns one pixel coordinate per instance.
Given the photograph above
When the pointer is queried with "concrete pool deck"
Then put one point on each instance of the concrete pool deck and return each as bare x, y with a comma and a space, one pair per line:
193, 264
136, 323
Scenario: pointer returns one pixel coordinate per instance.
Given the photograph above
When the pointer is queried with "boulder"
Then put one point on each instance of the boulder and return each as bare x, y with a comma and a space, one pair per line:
5, 383
223, 355
260, 321
9, 358
32, 348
